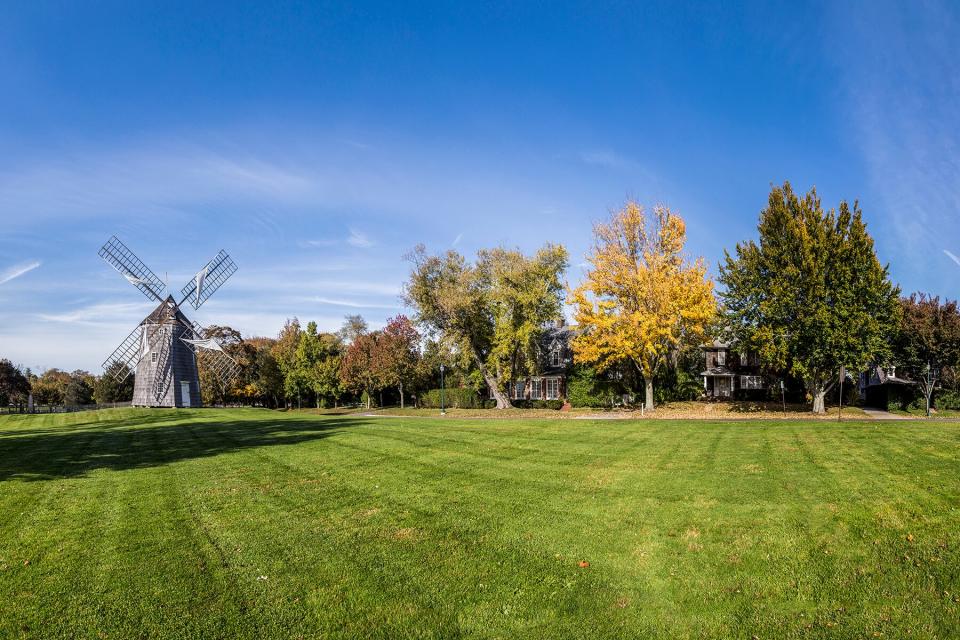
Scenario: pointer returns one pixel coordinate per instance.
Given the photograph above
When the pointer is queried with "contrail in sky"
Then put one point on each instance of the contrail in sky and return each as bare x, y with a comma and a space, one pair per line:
18, 270
952, 257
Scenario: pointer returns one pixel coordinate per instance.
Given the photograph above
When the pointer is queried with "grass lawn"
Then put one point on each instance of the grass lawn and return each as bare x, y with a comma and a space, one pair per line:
257, 524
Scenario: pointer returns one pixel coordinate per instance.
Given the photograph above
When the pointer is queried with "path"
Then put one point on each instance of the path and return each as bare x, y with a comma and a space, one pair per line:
880, 414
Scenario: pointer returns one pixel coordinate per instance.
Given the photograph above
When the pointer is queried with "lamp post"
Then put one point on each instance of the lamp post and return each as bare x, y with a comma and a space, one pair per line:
442, 408
930, 379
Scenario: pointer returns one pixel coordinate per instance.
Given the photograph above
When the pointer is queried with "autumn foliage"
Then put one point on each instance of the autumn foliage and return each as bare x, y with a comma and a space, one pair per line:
642, 297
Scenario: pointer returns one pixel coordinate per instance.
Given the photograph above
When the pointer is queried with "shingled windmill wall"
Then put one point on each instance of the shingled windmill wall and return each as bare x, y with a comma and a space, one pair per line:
165, 358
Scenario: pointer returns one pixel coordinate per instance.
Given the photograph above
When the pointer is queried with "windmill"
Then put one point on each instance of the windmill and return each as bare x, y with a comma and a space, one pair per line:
164, 348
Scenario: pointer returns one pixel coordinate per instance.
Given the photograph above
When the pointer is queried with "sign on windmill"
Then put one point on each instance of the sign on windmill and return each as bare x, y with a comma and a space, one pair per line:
164, 349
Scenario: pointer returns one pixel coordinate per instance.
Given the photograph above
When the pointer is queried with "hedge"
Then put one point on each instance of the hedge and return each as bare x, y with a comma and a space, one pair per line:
455, 398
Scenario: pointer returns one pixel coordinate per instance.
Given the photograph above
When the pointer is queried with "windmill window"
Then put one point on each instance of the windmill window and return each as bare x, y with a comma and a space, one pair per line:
153, 356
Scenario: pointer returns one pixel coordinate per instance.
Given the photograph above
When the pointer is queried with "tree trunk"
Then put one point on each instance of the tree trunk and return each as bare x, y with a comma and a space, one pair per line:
401, 395
368, 399
503, 402
819, 390
649, 394
819, 396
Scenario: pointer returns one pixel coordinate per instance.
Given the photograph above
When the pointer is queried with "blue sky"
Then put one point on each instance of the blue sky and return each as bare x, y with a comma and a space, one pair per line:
318, 143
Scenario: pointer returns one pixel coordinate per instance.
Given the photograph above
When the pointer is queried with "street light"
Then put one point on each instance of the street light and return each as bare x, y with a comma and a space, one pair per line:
442, 411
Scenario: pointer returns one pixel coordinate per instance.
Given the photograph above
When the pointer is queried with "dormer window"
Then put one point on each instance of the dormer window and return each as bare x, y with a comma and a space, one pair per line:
555, 358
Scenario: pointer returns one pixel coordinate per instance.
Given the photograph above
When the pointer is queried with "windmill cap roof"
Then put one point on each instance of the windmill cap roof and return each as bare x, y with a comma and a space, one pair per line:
167, 311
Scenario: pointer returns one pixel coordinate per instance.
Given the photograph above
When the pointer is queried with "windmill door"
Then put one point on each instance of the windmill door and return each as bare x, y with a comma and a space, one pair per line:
185, 394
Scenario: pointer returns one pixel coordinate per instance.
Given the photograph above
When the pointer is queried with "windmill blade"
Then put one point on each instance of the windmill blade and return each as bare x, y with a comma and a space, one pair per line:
128, 354
208, 279
223, 367
132, 268
210, 354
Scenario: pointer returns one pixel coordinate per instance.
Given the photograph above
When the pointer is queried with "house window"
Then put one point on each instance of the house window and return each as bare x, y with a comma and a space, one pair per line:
721, 358
751, 382
555, 359
553, 388
535, 392
518, 390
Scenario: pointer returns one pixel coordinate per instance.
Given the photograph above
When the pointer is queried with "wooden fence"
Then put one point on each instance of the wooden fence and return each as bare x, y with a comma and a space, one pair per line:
59, 408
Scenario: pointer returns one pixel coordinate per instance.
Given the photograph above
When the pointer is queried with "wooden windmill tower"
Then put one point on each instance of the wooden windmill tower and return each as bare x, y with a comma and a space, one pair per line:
164, 348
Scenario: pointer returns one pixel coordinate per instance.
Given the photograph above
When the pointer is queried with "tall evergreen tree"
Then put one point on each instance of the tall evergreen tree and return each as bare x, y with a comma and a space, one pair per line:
811, 295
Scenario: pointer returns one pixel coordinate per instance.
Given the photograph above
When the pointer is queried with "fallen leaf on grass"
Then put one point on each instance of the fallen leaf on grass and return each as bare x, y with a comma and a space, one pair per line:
583, 564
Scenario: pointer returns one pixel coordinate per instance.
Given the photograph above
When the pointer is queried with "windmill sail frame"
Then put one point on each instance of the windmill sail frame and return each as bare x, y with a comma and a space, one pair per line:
210, 278
121, 258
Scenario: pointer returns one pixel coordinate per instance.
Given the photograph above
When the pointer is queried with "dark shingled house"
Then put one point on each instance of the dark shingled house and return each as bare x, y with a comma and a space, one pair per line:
732, 373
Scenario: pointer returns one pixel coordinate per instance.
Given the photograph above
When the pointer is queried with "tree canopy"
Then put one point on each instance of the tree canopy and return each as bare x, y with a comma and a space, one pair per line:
810, 295
493, 311
641, 297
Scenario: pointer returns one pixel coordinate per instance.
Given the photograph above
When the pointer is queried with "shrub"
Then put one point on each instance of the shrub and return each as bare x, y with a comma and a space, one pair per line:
948, 400
584, 389
555, 405
455, 398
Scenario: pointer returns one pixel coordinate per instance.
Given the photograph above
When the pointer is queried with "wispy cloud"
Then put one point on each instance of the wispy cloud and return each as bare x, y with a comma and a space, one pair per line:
952, 256
318, 243
359, 239
103, 313
18, 270
905, 119
354, 305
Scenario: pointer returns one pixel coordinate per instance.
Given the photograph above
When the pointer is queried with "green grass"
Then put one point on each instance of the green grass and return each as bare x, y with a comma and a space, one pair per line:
253, 524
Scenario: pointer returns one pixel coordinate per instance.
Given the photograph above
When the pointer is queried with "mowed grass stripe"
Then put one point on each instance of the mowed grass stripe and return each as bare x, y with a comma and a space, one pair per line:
436, 528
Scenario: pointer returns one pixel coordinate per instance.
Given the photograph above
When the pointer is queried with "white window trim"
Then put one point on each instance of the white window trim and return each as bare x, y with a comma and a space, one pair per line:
536, 392
555, 384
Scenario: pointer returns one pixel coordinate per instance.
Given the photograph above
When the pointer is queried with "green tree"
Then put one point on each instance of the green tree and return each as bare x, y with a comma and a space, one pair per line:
326, 376
264, 380
14, 385
811, 295
79, 390
285, 352
928, 341
108, 389
492, 312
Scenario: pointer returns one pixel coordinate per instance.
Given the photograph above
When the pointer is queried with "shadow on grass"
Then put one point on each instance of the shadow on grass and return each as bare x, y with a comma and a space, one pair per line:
74, 450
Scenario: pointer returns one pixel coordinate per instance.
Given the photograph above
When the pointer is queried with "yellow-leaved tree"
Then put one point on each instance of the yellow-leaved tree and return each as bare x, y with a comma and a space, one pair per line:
642, 298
